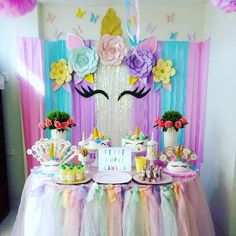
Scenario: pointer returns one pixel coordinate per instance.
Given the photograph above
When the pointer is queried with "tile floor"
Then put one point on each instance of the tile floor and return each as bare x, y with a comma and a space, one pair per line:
7, 223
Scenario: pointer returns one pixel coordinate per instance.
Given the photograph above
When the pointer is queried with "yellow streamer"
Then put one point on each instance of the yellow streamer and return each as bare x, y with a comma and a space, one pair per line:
111, 193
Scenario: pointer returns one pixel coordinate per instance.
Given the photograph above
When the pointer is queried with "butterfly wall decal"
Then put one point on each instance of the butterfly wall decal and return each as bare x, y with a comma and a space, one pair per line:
170, 17
77, 30
93, 18
57, 34
191, 36
150, 28
50, 18
173, 35
80, 13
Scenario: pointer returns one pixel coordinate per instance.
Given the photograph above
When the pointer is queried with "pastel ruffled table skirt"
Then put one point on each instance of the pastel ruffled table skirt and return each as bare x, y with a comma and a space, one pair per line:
48, 209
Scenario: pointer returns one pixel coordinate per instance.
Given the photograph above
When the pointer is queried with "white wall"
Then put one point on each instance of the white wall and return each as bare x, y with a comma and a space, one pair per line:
219, 156
188, 18
11, 29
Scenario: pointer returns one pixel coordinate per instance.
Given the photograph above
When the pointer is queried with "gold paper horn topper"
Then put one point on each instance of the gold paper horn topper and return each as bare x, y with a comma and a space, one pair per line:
95, 133
111, 23
136, 132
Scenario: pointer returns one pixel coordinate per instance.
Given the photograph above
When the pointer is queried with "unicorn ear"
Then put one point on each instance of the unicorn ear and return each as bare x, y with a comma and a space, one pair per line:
74, 41
150, 43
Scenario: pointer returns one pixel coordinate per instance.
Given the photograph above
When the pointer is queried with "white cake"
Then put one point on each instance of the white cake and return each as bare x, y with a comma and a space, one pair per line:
137, 141
178, 167
95, 141
50, 167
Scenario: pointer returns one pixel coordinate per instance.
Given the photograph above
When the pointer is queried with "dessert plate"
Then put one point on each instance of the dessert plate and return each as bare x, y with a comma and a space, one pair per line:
166, 179
112, 177
86, 180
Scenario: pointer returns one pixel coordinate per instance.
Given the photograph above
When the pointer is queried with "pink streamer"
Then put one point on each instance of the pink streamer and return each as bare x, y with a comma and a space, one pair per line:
225, 5
16, 8
196, 96
115, 214
31, 82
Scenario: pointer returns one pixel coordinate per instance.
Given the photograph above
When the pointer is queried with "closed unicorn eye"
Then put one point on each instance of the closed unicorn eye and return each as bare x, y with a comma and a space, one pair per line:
135, 93
89, 92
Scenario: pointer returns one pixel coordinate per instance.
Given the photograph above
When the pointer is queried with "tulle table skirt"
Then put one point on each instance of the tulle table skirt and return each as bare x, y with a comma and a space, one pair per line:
112, 210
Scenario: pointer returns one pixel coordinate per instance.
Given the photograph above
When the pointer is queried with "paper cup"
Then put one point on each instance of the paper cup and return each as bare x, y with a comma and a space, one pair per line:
140, 163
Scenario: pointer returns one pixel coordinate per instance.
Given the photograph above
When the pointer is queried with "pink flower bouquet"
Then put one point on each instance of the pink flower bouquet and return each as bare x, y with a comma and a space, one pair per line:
57, 120
171, 119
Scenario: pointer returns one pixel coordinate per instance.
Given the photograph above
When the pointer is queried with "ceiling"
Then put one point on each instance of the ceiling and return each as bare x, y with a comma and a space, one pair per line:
114, 2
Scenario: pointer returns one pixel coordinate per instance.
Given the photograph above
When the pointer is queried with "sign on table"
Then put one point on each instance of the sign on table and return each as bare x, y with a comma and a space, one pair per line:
114, 159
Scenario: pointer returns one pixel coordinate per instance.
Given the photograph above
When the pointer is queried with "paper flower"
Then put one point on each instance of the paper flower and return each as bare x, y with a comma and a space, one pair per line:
83, 60
162, 73
111, 50
139, 63
61, 74
225, 5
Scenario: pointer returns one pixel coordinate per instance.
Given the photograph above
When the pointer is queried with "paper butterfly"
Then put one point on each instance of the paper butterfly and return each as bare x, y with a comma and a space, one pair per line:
93, 18
173, 35
150, 28
80, 13
57, 34
170, 18
132, 21
77, 30
191, 36
51, 18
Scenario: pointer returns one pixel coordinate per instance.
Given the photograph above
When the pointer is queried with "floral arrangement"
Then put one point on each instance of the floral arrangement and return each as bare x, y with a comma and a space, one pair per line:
171, 119
139, 63
61, 74
111, 49
178, 153
162, 73
225, 5
59, 120
83, 60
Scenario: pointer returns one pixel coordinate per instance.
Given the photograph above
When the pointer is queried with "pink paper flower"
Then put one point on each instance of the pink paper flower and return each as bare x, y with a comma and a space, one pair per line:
41, 125
183, 120
48, 123
71, 122
178, 124
168, 124
57, 124
160, 123
64, 125
111, 50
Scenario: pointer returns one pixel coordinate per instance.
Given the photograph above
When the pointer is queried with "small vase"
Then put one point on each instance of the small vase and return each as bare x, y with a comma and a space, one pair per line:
170, 137
56, 134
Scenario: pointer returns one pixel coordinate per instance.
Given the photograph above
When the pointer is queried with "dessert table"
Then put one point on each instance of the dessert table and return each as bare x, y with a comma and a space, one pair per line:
92, 209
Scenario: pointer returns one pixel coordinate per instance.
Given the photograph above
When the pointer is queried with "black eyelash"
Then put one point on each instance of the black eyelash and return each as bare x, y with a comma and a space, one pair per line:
135, 93
90, 92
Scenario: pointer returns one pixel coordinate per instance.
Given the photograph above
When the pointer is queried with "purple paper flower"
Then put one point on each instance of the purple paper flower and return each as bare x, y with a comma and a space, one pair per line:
139, 62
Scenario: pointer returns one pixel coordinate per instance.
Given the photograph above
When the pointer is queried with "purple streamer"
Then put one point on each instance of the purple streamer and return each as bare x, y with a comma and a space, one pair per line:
196, 97
147, 109
83, 110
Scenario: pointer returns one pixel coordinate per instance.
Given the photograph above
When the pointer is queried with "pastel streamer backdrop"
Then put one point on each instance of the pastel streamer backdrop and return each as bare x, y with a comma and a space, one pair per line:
188, 94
